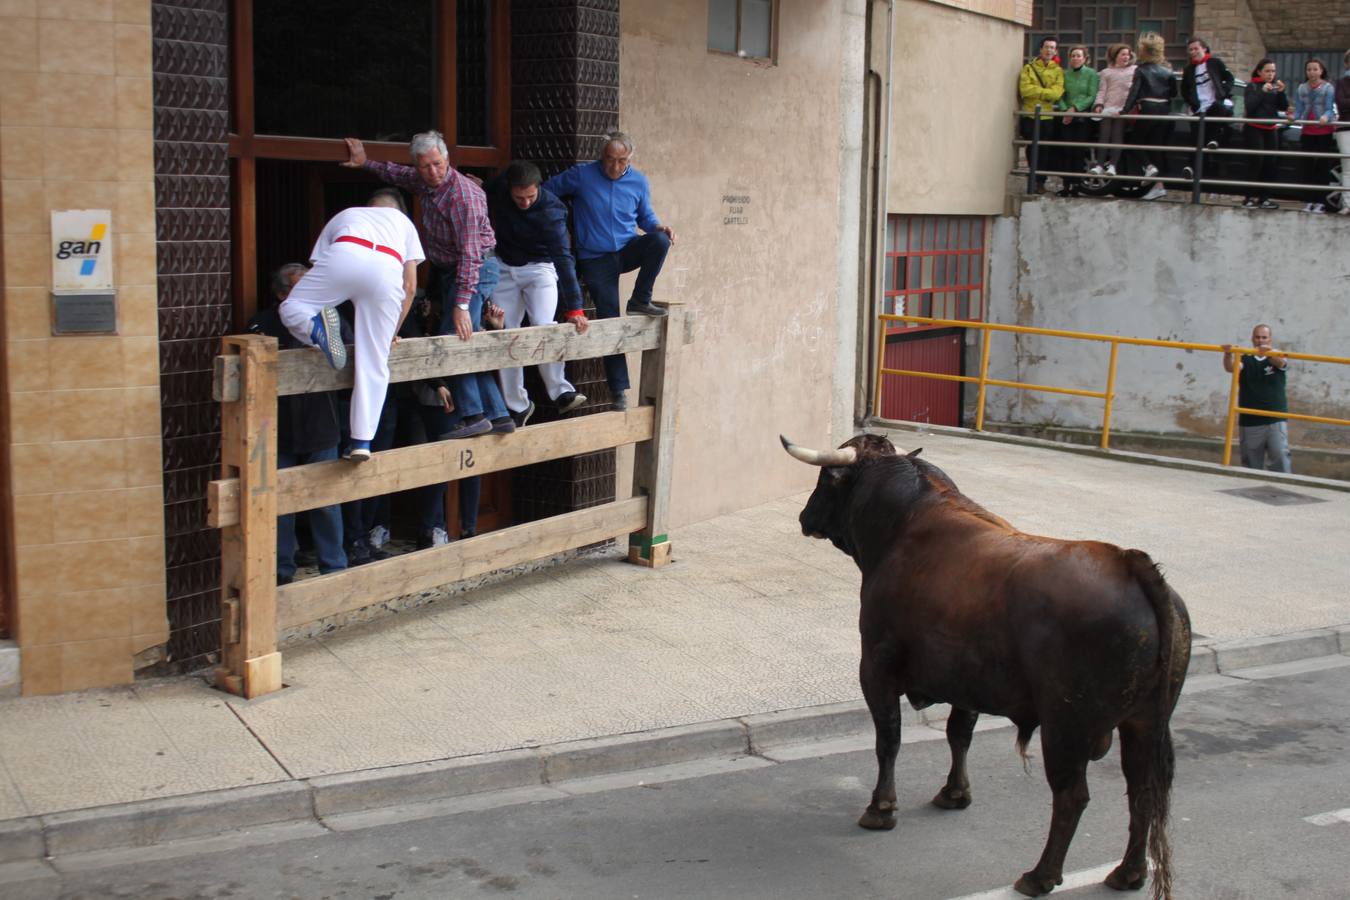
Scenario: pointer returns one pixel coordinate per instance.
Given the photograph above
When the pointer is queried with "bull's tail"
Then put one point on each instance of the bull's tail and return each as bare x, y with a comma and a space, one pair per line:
1174, 634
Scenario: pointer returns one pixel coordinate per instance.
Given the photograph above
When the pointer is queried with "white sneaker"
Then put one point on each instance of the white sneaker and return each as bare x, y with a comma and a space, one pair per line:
1150, 170
439, 537
1155, 192
1307, 207
1345, 208
1317, 209
1095, 170
1111, 169
379, 536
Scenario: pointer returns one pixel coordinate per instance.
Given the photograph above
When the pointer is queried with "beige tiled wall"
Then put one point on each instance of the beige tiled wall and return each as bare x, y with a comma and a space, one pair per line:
75, 133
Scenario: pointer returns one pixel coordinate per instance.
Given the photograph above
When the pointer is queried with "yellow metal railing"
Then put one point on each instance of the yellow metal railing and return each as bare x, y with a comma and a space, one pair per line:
1107, 395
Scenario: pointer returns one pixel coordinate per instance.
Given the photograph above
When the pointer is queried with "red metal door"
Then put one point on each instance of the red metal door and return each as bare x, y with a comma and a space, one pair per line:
923, 399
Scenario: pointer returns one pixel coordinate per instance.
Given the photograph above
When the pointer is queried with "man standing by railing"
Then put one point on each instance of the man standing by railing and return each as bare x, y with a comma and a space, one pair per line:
610, 201
1040, 84
461, 246
1264, 440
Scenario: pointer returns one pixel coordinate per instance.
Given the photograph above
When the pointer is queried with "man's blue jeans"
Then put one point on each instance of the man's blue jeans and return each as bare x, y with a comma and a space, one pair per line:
646, 253
325, 524
476, 393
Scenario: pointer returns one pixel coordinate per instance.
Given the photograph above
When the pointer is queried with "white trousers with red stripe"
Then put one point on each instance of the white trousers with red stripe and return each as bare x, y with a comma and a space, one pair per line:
531, 288
373, 281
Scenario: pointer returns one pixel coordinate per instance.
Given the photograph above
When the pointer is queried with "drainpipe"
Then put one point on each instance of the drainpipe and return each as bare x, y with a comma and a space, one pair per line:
873, 243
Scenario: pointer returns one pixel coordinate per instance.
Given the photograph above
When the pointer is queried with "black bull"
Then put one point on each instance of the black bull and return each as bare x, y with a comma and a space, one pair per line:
1078, 638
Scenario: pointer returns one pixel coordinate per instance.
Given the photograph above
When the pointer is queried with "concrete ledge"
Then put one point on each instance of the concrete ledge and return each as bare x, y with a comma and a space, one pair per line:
1280, 648
1343, 637
1204, 661
606, 755
154, 821
10, 682
20, 840
817, 723
423, 782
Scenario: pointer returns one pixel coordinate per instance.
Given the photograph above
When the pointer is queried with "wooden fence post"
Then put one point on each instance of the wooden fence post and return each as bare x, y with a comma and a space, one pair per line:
250, 664
652, 460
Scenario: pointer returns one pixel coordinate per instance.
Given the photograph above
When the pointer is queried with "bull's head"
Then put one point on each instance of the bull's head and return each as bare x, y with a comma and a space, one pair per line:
826, 512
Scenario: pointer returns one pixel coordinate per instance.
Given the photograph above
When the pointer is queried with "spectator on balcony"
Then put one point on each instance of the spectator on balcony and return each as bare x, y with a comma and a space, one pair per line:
1152, 91
1080, 93
1207, 86
1264, 99
1264, 440
1343, 131
1315, 101
1040, 84
1113, 87
308, 431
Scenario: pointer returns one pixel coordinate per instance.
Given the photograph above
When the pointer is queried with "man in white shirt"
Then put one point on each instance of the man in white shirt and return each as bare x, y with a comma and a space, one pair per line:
368, 254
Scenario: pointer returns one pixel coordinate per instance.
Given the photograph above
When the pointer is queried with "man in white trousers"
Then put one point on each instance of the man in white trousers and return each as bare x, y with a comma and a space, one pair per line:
369, 255
536, 259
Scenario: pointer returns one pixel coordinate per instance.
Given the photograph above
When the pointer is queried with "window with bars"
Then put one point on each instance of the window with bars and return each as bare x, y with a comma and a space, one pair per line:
935, 267
743, 27
1097, 24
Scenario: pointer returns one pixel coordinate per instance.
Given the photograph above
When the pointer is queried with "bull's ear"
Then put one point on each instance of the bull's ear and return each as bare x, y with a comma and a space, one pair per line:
837, 475
913, 453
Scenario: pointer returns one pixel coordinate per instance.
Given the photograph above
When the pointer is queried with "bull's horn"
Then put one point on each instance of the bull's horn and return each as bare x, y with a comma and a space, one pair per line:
844, 456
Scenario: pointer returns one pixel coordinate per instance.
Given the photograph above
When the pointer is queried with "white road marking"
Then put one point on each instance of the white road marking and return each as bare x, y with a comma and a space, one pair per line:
1335, 817
1071, 880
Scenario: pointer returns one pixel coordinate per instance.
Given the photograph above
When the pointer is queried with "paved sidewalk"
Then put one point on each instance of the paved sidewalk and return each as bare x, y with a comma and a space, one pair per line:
752, 619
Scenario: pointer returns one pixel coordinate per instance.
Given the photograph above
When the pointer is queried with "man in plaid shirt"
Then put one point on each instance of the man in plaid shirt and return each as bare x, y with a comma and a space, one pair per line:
460, 245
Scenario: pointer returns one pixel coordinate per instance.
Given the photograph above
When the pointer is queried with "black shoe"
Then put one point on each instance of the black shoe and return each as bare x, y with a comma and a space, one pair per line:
360, 552
569, 400
524, 415
619, 401
504, 425
284, 579
644, 308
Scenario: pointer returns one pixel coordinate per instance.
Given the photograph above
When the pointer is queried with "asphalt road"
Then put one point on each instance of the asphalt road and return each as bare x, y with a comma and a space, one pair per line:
1260, 765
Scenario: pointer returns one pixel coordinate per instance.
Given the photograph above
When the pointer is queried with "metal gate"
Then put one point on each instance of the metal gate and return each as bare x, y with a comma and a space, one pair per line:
922, 399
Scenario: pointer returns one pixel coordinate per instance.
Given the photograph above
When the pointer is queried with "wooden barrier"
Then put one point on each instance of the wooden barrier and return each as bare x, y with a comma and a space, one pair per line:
250, 374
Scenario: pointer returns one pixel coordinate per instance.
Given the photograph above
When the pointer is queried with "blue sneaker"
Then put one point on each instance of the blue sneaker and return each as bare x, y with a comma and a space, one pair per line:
357, 451
327, 336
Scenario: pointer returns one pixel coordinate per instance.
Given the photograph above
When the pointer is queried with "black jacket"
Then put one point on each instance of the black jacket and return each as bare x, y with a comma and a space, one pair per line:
537, 234
1263, 104
1219, 76
1343, 97
1151, 82
305, 422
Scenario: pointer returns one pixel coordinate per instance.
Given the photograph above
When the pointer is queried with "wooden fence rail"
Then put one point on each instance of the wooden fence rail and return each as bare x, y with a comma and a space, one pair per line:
250, 374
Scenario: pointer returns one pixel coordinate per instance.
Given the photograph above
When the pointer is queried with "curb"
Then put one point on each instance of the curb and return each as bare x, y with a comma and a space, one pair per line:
194, 816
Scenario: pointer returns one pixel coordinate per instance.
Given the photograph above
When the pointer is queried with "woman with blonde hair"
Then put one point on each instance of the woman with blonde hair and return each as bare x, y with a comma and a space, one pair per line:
1152, 89
1113, 86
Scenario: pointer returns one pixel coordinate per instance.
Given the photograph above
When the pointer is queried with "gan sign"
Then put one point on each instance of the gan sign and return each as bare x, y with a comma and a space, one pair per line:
83, 298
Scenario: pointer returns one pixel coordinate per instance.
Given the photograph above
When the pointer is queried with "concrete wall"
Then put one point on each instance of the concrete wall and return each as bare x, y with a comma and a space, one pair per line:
1170, 271
759, 271
84, 454
1232, 33
953, 97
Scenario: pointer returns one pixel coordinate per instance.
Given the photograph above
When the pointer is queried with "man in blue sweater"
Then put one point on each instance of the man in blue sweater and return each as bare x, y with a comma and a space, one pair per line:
610, 201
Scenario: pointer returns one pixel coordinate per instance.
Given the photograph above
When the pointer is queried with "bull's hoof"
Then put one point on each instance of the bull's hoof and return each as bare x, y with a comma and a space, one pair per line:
1123, 879
877, 820
1032, 885
947, 798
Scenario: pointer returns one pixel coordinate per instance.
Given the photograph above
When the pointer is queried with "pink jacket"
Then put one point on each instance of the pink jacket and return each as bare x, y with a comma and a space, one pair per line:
1114, 86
